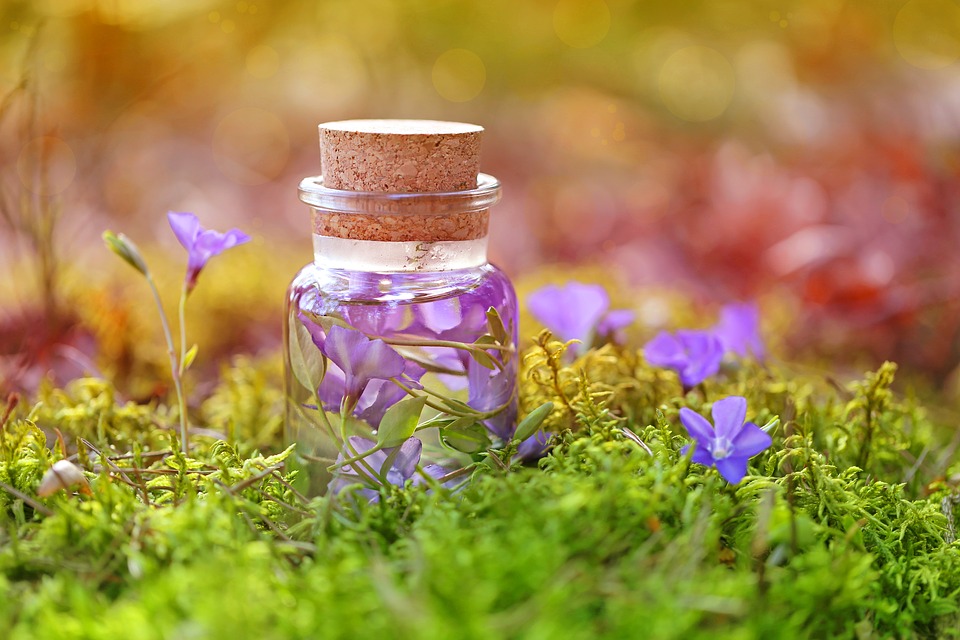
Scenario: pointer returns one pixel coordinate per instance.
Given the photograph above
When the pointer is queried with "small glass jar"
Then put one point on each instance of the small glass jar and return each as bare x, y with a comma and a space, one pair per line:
427, 295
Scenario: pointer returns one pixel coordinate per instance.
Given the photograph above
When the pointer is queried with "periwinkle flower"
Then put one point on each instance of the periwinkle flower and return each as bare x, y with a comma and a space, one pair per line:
739, 330
370, 383
489, 390
360, 359
201, 244
402, 469
728, 443
578, 311
378, 396
694, 355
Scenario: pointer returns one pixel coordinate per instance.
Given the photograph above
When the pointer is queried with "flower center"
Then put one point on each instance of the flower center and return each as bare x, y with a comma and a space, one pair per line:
722, 448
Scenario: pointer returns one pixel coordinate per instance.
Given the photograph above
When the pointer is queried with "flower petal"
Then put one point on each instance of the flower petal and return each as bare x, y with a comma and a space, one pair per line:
732, 469
380, 395
702, 455
332, 388
698, 427
614, 321
751, 440
316, 332
436, 472
739, 329
534, 447
233, 238
728, 416
572, 312
358, 446
375, 359
665, 351
408, 457
340, 346
186, 227
703, 354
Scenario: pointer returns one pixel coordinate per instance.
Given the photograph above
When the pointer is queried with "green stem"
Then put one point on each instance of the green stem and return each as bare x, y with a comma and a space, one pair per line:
359, 456
479, 415
174, 367
345, 410
451, 344
183, 326
326, 420
399, 342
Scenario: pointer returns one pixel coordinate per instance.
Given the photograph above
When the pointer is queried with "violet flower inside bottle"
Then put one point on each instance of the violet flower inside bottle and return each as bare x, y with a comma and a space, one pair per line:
401, 359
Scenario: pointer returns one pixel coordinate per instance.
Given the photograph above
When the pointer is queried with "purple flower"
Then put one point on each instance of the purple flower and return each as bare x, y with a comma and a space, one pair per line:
534, 447
578, 311
377, 319
403, 467
377, 393
490, 389
201, 244
739, 330
730, 443
359, 358
695, 355
378, 396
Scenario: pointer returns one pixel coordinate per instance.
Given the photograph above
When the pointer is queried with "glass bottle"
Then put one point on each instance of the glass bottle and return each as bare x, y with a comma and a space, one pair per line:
400, 339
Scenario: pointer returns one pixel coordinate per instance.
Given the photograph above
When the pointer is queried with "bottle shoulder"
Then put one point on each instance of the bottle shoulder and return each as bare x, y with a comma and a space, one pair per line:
400, 287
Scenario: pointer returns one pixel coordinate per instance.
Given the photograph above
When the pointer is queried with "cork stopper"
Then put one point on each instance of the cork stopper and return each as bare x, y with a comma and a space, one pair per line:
401, 156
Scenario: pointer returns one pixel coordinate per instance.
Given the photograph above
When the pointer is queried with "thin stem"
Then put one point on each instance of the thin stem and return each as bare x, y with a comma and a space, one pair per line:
480, 415
470, 348
183, 326
359, 456
174, 367
345, 408
399, 342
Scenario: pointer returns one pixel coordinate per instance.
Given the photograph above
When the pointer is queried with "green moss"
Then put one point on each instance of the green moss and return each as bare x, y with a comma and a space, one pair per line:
838, 531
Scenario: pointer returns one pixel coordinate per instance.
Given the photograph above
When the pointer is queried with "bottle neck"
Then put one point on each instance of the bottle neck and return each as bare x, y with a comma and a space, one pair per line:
392, 256
400, 232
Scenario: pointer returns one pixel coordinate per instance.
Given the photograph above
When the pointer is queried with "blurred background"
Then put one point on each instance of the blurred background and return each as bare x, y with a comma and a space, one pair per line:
800, 153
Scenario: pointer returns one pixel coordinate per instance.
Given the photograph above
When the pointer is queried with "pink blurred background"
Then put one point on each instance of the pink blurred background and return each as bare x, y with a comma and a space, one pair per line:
801, 153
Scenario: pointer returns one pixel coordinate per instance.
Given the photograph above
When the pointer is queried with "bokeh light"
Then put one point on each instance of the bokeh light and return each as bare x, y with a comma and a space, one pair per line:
459, 75
927, 33
262, 61
696, 83
581, 23
251, 146
747, 149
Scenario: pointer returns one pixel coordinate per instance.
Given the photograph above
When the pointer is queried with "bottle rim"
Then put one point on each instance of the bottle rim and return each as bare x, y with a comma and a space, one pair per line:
485, 195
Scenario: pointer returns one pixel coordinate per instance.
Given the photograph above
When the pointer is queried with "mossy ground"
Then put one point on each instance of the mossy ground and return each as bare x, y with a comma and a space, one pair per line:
839, 530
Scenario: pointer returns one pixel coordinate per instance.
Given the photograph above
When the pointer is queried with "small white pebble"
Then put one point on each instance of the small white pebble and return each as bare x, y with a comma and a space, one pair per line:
62, 475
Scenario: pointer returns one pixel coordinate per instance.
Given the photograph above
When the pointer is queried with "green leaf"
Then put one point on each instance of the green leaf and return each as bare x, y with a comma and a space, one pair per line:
126, 249
306, 361
400, 421
496, 326
461, 424
467, 439
771, 425
486, 340
529, 425
189, 357
483, 358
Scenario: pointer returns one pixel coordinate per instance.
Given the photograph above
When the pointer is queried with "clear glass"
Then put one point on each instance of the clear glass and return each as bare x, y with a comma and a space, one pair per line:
449, 314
